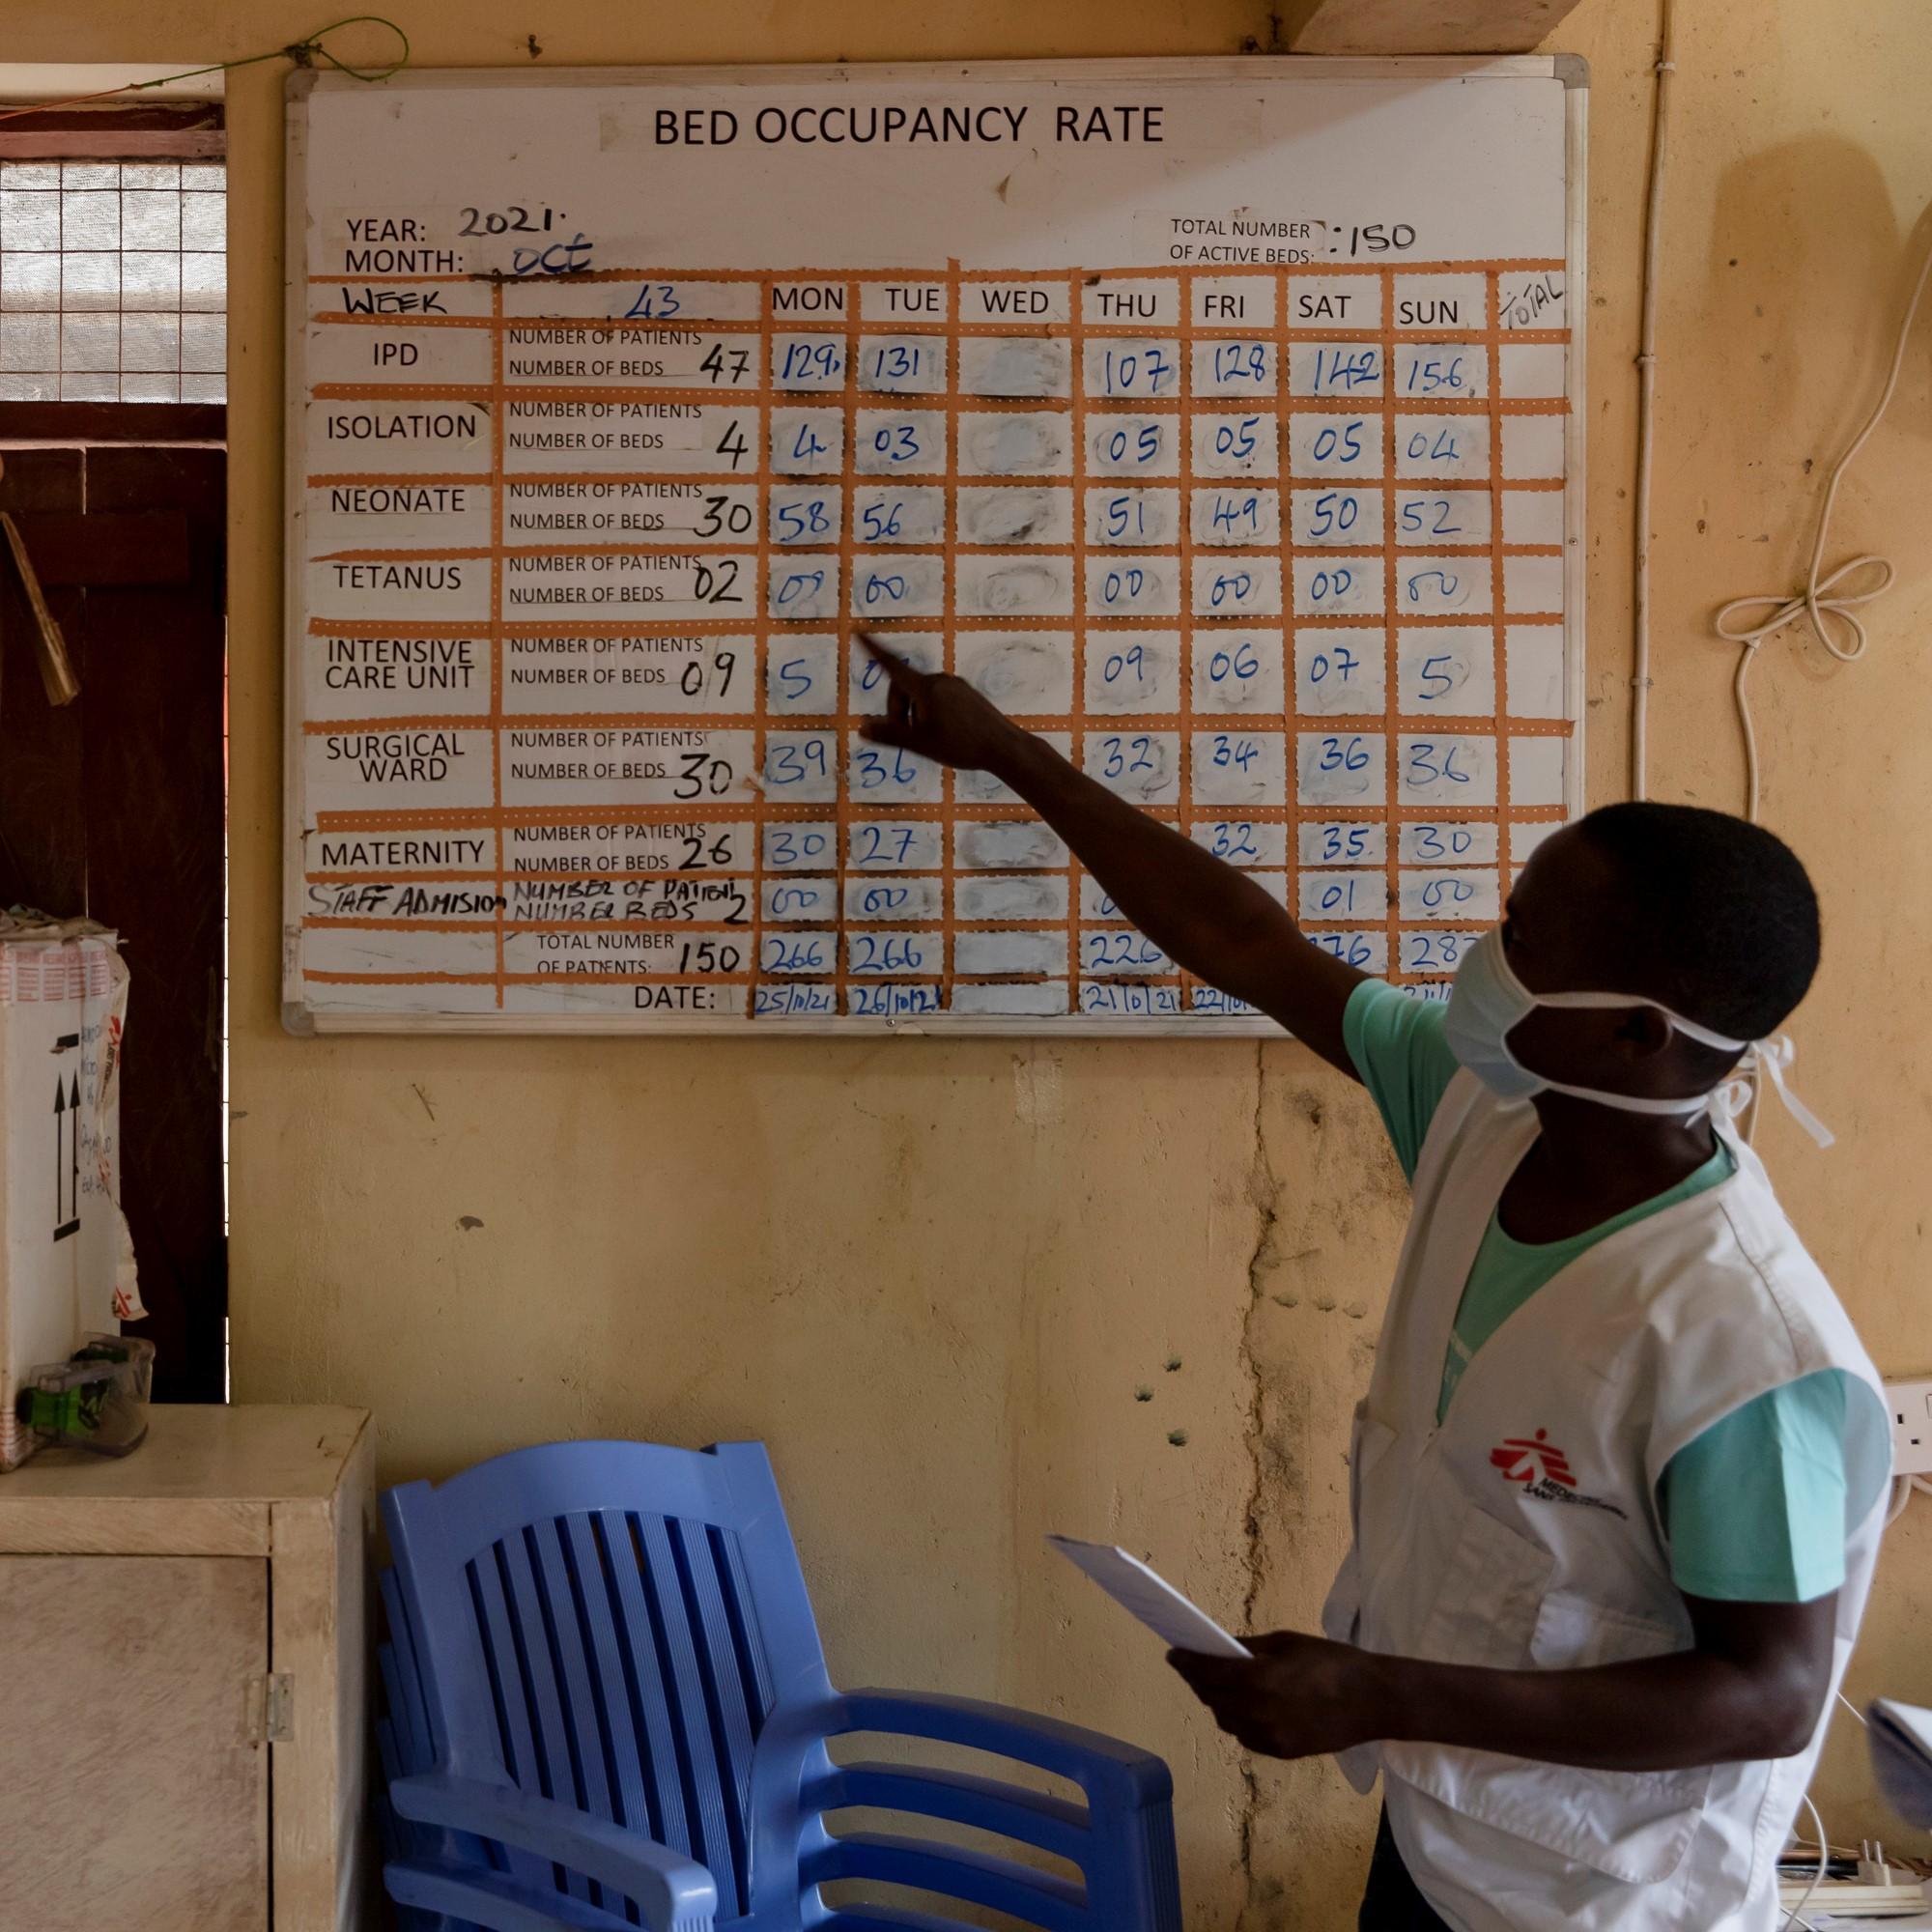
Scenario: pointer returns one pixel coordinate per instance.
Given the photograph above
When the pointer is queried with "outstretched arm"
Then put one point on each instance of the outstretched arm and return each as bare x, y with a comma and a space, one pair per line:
1216, 921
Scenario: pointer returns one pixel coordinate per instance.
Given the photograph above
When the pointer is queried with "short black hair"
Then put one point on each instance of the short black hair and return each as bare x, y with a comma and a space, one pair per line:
1713, 915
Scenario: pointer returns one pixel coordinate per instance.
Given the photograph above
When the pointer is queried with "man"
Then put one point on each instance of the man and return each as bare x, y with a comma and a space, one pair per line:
1618, 1480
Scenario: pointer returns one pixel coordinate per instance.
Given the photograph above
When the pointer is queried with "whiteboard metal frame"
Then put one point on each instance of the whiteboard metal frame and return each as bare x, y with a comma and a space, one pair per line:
305, 1021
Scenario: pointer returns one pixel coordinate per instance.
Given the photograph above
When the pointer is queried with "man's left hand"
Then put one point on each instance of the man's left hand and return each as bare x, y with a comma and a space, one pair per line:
1297, 1696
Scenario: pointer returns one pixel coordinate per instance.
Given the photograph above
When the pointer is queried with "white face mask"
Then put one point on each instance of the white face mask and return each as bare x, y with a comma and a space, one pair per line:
1487, 1002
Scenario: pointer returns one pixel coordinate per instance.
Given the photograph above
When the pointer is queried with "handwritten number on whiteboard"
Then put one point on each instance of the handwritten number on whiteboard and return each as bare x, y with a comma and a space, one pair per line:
703, 773
874, 771
799, 522
1137, 447
883, 844
655, 301
1348, 439
513, 220
1237, 438
1128, 754
1428, 762
1414, 515
1334, 514
1429, 374
722, 514
697, 855
1241, 663
793, 764
1344, 754
716, 583
725, 365
691, 681
1240, 362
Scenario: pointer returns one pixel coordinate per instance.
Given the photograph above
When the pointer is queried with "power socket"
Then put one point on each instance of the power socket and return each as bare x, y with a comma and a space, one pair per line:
1911, 1406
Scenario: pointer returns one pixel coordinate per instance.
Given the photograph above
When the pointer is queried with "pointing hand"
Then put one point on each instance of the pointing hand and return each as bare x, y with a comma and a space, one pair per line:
940, 716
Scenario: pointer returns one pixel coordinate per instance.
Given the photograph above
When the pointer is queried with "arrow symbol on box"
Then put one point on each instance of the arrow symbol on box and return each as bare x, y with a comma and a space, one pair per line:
68, 1222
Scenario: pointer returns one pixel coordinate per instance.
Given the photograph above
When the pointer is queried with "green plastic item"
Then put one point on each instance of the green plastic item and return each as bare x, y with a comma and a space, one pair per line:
98, 1401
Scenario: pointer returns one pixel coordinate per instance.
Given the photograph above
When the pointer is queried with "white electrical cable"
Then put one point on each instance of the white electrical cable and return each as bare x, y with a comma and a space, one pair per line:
1793, 1915
1902, 1487
1646, 409
1834, 620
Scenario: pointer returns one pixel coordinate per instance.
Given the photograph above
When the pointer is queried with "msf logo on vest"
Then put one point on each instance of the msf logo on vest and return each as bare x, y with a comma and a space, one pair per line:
1544, 1470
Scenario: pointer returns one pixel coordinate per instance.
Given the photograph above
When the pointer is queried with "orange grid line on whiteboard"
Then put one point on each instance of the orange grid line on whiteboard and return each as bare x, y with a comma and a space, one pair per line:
1391, 922
1184, 536
761, 642
841, 670
949, 857
1078, 404
1493, 293
1186, 406
498, 415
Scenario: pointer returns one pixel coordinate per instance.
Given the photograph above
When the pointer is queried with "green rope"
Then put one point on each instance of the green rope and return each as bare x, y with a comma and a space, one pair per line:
304, 53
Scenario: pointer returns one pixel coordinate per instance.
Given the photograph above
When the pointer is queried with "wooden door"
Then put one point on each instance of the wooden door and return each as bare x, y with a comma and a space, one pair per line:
138, 1796
116, 806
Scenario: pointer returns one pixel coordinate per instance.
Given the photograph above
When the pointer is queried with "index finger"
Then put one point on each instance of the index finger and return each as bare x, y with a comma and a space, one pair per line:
894, 667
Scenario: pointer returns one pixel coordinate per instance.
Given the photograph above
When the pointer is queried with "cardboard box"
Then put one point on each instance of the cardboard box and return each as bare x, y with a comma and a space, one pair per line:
66, 1263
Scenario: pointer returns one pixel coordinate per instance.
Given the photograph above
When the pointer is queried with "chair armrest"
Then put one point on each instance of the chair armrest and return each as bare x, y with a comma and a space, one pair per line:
672, 1892
437, 1894
1110, 1773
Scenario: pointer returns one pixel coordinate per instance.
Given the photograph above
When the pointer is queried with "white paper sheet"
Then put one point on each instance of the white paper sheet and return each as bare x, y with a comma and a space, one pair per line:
1150, 1598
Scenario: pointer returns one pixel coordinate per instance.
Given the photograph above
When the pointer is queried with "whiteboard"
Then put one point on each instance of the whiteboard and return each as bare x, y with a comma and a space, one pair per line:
1221, 419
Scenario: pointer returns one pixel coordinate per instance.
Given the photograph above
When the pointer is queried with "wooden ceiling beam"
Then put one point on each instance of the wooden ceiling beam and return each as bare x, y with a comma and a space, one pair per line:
1418, 26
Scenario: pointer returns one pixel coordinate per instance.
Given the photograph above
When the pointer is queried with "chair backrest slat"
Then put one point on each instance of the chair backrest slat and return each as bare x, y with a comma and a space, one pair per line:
620, 1751
541, 1695
501, 1644
714, 1592
686, 1671
645, 1687
406, 1707
742, 1609
578, 1693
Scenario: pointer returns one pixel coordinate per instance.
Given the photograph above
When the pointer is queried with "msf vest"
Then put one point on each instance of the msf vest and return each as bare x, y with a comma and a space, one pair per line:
1523, 1532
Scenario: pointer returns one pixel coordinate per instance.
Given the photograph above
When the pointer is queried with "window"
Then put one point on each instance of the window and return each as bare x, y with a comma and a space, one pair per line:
113, 281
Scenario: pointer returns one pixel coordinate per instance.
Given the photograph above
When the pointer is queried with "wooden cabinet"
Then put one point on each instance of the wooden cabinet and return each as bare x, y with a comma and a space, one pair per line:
183, 1678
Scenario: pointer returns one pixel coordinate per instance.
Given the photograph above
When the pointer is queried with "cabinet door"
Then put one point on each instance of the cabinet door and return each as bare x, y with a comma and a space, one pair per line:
137, 1793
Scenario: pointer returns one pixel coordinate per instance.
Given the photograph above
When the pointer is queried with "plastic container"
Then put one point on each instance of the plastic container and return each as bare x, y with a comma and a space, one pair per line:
98, 1401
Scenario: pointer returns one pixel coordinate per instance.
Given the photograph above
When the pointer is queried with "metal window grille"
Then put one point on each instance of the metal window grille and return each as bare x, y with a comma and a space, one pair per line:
113, 281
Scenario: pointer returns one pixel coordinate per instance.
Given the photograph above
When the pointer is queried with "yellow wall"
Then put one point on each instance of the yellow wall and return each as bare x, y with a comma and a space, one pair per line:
934, 1276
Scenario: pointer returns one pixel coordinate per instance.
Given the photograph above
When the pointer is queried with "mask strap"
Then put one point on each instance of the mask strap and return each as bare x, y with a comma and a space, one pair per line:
1611, 1002
1685, 1107
1769, 1058
1766, 1059
1730, 1101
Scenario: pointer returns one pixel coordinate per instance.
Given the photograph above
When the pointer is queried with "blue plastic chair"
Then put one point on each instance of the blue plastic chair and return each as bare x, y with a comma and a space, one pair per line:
607, 1707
